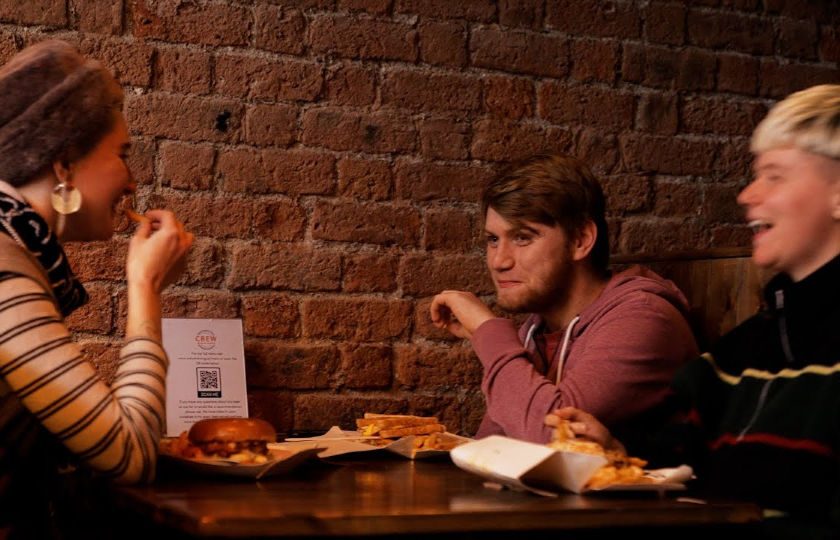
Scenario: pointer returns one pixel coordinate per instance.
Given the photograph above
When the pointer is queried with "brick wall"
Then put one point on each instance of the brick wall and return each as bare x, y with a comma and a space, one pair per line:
328, 154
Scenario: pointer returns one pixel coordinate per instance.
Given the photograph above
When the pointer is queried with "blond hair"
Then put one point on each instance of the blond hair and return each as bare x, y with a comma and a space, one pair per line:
808, 120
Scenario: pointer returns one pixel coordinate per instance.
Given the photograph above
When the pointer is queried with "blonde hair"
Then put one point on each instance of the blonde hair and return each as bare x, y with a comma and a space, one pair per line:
808, 119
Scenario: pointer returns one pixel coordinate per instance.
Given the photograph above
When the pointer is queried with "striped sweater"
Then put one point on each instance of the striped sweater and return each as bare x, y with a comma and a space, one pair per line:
52, 402
764, 405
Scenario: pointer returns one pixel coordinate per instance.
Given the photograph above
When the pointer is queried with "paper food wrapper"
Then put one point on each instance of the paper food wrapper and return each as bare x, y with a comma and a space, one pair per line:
543, 470
337, 441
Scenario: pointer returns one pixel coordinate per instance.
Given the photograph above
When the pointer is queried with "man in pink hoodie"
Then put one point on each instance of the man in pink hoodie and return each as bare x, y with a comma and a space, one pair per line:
602, 342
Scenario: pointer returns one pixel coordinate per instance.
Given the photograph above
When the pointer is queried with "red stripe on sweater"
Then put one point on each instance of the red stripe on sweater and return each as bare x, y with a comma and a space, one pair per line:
774, 440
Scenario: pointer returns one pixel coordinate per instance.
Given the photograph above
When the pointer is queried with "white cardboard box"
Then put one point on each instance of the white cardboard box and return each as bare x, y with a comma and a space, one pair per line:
543, 470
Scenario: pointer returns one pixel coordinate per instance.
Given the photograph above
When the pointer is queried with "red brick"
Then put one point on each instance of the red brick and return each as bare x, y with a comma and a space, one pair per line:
508, 141
105, 357
424, 181
426, 368
598, 148
98, 260
205, 304
734, 160
97, 17
219, 217
430, 91
263, 79
184, 118
676, 199
191, 22
520, 51
666, 155
560, 104
731, 31
829, 44
357, 320
443, 43
594, 60
444, 138
798, 39
281, 266
270, 315
184, 70
282, 221
424, 275
292, 172
522, 13
271, 125
627, 194
34, 12
319, 412
664, 23
366, 39
279, 29
659, 67
378, 132
8, 47
369, 272
187, 166
370, 223
206, 265
366, 366
374, 7
130, 62
471, 10
449, 229
610, 18
731, 236
141, 161
639, 236
658, 113
349, 84
720, 205
275, 407
815, 10
97, 315
720, 116
365, 179
510, 98
737, 74
779, 80
278, 365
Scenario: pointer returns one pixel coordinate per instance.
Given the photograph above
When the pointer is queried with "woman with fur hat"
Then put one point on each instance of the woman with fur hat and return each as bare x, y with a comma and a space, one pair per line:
63, 146
759, 414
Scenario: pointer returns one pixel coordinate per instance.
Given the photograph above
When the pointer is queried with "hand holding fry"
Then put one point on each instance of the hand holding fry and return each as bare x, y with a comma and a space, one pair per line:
459, 312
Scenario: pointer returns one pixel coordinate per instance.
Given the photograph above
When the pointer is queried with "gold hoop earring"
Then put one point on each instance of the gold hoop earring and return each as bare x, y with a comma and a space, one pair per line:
66, 198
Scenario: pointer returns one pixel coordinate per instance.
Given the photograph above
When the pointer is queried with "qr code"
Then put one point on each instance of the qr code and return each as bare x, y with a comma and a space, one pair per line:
208, 379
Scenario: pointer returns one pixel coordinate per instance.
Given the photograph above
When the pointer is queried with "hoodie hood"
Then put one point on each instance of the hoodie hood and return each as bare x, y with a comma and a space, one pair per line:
635, 279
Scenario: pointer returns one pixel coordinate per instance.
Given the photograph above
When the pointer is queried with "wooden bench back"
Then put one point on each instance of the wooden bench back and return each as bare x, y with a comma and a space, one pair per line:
723, 286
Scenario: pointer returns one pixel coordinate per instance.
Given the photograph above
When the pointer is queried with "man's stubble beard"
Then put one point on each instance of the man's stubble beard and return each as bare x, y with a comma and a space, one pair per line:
552, 292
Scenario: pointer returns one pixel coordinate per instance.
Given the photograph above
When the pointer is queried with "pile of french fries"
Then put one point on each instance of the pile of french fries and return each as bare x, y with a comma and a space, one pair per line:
619, 469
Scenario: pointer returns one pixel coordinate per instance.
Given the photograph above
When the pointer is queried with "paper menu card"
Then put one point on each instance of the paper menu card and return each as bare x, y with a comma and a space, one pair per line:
206, 377
545, 471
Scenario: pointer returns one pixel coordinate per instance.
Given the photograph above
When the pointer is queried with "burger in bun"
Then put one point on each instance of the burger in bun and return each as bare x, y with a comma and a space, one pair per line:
243, 440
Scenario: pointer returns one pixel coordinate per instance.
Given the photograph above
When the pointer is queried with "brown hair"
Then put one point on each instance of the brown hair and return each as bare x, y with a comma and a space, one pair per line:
552, 189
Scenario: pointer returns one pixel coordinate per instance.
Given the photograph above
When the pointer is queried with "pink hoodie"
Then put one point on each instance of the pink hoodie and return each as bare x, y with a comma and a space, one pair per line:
617, 360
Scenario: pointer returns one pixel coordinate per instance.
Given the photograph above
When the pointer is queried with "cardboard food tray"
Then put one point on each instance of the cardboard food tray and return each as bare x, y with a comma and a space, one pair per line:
336, 442
545, 471
283, 463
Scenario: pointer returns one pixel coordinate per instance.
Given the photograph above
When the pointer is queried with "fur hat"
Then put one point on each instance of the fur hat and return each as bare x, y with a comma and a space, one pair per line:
53, 100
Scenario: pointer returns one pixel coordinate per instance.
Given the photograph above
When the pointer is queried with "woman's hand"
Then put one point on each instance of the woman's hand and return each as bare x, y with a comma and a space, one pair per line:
585, 426
157, 251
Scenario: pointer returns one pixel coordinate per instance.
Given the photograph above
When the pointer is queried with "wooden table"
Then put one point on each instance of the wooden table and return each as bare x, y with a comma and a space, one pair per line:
374, 494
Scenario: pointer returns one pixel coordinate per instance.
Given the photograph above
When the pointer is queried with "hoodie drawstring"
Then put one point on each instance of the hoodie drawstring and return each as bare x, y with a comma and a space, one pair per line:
565, 346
